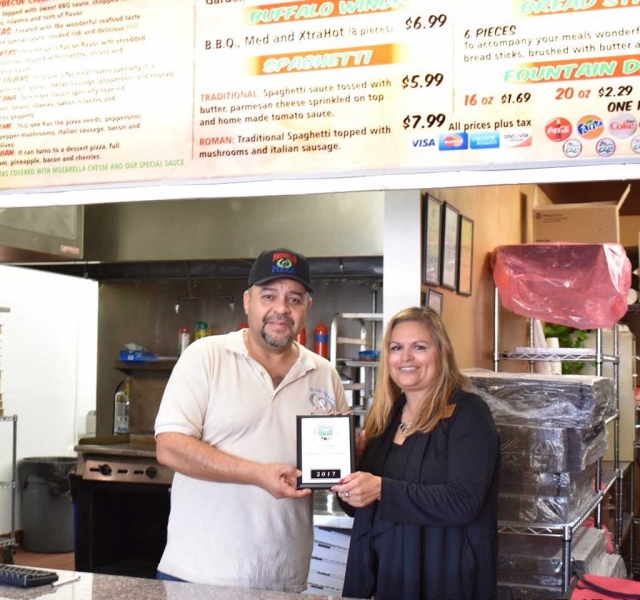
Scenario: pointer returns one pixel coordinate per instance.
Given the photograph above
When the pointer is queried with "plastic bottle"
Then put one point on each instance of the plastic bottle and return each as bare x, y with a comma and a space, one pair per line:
121, 408
202, 330
321, 340
184, 339
302, 337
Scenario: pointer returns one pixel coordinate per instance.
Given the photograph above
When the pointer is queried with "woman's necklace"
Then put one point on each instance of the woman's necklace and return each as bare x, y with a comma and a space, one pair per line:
404, 427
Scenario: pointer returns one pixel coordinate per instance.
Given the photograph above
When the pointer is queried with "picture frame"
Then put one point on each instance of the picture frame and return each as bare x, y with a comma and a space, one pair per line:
431, 240
450, 233
465, 256
435, 300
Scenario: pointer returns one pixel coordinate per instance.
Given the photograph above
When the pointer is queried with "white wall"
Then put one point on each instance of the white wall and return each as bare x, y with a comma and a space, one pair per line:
49, 365
402, 245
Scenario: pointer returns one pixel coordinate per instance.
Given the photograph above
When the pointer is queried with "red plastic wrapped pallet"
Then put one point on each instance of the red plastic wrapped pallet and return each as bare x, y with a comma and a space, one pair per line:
578, 285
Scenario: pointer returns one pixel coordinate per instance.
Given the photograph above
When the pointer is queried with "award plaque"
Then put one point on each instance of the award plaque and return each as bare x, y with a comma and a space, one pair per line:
326, 449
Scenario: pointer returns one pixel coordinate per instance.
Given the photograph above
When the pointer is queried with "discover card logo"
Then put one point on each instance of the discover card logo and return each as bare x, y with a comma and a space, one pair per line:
517, 138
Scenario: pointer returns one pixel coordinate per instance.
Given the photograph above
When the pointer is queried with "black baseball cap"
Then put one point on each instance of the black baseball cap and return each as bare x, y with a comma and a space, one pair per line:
281, 263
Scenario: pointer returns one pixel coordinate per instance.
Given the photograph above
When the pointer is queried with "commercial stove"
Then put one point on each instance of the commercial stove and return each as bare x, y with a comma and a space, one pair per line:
121, 458
122, 499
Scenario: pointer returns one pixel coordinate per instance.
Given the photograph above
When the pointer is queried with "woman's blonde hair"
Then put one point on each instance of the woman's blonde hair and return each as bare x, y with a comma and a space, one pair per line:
437, 396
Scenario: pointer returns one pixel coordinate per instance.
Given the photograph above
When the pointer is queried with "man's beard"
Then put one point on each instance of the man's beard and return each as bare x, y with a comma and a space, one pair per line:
274, 341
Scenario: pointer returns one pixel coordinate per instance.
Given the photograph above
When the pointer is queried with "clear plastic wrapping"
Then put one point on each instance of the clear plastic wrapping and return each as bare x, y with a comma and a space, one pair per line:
537, 561
551, 449
544, 509
545, 399
610, 565
578, 285
520, 481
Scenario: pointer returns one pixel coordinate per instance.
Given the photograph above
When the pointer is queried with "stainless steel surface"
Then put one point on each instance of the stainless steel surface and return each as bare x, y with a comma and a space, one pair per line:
118, 450
12, 485
124, 459
316, 225
27, 234
327, 511
127, 470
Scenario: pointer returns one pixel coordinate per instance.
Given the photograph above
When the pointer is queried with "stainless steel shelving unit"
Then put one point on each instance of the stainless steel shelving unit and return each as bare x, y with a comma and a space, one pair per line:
613, 474
364, 379
8, 544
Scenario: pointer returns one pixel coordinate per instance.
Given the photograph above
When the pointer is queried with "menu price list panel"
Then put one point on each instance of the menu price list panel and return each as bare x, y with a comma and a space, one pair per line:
111, 91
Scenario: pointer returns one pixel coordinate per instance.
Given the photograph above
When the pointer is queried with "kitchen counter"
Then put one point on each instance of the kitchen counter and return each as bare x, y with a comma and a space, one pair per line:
108, 587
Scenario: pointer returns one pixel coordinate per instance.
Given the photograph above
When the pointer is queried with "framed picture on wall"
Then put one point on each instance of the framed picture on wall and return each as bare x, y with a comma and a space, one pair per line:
431, 245
465, 256
435, 300
450, 231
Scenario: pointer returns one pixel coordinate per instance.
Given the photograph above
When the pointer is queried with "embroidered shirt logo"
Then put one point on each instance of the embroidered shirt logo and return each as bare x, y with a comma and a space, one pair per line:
322, 402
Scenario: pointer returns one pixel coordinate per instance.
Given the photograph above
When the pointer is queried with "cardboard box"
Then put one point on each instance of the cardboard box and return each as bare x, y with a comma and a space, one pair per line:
592, 223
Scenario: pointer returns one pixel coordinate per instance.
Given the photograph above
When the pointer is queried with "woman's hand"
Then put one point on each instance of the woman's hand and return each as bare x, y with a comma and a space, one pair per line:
359, 489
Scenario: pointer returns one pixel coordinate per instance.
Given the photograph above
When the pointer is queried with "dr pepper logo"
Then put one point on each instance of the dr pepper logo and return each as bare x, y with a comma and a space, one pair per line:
558, 129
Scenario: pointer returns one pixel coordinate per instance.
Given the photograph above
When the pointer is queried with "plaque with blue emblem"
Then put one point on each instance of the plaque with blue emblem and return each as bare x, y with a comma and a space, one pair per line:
326, 447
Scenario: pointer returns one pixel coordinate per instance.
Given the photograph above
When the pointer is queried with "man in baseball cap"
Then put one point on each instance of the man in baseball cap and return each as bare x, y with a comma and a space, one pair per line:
227, 427
278, 264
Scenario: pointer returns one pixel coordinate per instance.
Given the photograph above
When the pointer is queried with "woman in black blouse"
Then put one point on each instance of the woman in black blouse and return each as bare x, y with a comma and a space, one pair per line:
426, 492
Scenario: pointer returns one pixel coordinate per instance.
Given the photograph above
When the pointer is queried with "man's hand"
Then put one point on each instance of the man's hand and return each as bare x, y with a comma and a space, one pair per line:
280, 481
359, 489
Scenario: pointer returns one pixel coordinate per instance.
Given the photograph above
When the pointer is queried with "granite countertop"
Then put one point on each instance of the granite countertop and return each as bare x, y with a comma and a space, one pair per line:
91, 586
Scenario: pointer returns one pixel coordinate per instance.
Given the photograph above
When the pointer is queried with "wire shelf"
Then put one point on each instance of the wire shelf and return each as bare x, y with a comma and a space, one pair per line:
549, 529
547, 357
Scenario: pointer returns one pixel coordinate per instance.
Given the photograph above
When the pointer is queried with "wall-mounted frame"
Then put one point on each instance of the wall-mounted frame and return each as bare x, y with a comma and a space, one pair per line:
435, 300
431, 240
465, 256
450, 231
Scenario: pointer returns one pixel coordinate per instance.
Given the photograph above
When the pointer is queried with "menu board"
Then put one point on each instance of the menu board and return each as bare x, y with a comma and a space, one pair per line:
117, 91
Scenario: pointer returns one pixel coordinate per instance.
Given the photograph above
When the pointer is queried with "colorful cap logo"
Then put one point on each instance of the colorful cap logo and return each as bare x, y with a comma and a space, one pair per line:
517, 138
635, 144
623, 125
283, 262
453, 141
590, 127
605, 147
558, 129
572, 148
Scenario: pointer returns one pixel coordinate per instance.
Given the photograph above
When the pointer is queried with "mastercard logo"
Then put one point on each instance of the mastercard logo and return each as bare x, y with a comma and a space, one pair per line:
590, 127
453, 141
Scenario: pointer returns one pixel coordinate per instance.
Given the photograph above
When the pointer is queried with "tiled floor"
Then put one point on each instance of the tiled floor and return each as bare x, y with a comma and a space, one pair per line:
65, 561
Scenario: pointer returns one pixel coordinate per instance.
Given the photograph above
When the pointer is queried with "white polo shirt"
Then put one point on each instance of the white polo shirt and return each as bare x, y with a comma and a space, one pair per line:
232, 534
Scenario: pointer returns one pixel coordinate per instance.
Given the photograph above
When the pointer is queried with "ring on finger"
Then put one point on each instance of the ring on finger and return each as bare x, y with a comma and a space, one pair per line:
345, 495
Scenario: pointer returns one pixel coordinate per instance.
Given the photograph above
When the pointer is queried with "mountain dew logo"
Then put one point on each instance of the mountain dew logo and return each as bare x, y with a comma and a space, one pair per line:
283, 262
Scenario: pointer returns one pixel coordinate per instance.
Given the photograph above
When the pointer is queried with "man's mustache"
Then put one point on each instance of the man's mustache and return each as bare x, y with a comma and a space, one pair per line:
281, 319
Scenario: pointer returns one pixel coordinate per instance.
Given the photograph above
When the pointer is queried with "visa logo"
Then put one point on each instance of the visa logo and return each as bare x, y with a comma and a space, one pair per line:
423, 143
